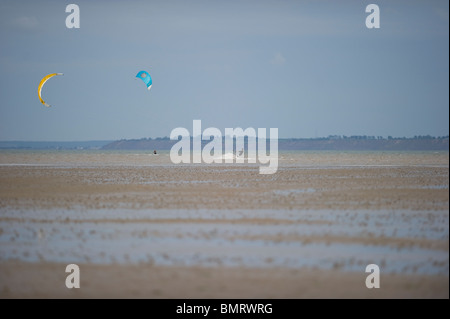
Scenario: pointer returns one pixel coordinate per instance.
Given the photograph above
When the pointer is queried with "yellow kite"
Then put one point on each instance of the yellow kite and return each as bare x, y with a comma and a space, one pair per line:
41, 84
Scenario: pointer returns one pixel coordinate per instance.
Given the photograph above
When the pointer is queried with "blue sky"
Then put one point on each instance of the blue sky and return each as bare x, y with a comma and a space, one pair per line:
309, 68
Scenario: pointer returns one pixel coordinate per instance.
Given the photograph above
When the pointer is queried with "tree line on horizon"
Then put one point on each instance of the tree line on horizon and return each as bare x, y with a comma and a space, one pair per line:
329, 137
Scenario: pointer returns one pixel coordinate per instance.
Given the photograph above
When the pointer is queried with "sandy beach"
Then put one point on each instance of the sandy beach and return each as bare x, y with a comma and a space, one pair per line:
140, 227
42, 280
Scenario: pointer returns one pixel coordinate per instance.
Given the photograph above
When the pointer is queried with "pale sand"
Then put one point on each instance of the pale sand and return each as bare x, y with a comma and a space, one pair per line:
411, 189
23, 280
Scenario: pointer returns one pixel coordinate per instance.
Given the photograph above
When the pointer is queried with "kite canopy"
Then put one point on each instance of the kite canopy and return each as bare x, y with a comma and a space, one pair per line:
41, 84
144, 76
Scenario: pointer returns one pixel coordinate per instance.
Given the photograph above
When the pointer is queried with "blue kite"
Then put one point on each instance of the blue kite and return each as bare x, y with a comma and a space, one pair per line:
144, 76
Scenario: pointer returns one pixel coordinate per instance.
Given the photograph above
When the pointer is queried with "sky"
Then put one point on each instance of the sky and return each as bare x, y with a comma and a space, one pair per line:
308, 68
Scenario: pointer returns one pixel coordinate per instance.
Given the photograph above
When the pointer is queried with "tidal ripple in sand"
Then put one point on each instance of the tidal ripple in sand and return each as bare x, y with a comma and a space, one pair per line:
399, 242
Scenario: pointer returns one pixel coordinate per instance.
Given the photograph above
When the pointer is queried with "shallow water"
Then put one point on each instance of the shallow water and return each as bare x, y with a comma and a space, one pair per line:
292, 239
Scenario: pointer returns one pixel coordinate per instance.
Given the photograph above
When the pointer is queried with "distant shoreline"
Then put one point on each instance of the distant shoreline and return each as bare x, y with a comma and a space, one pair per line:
333, 143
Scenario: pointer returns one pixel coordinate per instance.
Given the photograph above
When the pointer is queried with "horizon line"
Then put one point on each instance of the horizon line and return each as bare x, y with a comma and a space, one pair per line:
369, 137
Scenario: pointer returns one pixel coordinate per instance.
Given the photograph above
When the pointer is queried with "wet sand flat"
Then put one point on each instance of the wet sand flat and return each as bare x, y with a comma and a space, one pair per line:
139, 226
226, 187
42, 280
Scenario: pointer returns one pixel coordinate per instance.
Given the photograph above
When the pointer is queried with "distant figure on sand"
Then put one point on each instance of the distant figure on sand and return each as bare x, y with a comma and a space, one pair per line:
154, 152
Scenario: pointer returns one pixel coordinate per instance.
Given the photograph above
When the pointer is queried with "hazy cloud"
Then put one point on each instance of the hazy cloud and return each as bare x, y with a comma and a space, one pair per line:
26, 23
278, 59
442, 13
